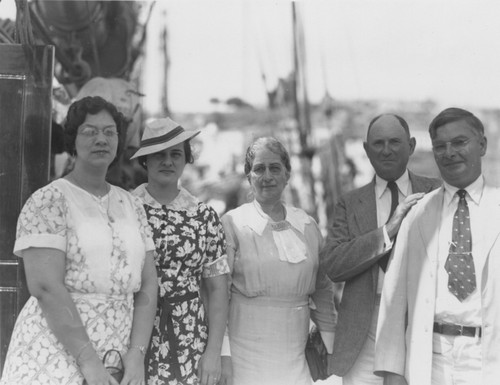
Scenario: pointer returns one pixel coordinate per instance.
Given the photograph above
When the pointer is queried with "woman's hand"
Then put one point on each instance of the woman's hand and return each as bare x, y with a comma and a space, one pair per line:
133, 363
226, 377
142, 325
95, 373
209, 368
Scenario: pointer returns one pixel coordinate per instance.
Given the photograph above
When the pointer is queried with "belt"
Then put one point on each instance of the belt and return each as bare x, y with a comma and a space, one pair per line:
290, 302
456, 330
166, 325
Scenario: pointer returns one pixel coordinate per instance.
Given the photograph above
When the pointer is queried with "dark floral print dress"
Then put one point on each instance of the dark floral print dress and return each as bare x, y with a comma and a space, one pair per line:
189, 244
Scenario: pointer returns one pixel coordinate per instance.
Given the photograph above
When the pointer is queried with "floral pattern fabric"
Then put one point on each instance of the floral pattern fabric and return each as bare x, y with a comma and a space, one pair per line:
105, 242
189, 244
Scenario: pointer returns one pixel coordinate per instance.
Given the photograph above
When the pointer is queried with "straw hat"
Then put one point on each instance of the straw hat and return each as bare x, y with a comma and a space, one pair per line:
160, 134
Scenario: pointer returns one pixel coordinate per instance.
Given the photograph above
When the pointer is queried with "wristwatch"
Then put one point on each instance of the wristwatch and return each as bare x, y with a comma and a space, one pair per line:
141, 348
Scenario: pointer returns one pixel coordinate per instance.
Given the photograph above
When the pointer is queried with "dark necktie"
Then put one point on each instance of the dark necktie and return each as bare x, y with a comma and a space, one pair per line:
393, 187
394, 197
460, 265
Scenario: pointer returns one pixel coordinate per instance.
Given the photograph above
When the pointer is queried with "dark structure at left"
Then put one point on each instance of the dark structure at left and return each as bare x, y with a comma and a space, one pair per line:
26, 74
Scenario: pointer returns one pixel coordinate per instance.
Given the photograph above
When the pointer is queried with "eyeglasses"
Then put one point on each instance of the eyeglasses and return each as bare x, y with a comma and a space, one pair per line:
92, 132
260, 169
440, 148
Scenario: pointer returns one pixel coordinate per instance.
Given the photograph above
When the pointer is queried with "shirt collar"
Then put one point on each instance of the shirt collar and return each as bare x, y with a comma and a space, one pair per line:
257, 220
183, 201
403, 184
474, 190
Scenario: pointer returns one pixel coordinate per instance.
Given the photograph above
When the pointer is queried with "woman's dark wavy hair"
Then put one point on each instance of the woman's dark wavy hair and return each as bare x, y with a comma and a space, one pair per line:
92, 105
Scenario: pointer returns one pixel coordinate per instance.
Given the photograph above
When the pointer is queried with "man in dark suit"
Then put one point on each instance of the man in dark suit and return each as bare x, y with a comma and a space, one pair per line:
366, 222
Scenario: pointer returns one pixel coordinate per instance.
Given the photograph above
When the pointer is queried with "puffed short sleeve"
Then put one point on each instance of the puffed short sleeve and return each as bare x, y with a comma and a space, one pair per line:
144, 228
216, 261
42, 222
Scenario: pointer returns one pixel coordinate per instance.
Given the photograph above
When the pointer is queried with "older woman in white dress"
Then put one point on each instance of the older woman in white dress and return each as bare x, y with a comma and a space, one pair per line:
273, 253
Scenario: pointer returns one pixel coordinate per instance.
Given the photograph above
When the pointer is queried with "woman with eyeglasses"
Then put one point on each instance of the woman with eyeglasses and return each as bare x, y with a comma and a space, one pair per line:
87, 253
273, 251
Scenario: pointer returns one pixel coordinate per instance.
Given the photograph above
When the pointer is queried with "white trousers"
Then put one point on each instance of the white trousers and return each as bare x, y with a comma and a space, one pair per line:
362, 371
456, 360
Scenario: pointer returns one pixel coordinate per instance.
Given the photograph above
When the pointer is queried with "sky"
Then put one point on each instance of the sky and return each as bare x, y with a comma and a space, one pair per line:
443, 50
447, 50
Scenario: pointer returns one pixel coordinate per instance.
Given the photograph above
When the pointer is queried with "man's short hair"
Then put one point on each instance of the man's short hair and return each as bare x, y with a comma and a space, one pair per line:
454, 114
399, 118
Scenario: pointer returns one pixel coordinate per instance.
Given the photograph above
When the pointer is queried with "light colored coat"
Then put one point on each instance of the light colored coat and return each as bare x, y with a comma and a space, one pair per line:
410, 284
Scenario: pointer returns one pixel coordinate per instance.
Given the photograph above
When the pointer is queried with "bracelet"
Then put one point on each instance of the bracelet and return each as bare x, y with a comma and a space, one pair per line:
141, 348
80, 351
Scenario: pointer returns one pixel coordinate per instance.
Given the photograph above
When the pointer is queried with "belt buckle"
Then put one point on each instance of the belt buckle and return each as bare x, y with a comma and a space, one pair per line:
461, 329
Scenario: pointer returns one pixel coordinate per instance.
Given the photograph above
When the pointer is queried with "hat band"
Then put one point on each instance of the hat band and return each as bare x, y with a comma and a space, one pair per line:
163, 138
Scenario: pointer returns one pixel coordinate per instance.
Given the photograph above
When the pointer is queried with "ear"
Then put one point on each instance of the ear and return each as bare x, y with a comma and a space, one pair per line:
483, 144
413, 143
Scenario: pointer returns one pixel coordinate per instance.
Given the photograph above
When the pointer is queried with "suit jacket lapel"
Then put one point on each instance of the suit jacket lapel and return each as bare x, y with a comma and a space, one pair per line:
366, 217
429, 224
366, 209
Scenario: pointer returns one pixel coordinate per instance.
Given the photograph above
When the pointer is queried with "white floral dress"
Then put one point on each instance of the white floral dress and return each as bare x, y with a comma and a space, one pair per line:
105, 241
190, 244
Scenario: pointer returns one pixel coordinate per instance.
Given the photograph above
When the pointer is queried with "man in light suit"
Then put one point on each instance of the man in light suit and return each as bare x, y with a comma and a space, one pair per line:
361, 238
440, 309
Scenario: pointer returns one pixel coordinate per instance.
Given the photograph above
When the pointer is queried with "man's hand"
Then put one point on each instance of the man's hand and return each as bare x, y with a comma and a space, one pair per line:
394, 379
394, 223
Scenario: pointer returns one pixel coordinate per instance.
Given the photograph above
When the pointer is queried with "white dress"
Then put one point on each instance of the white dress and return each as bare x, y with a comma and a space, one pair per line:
105, 241
274, 272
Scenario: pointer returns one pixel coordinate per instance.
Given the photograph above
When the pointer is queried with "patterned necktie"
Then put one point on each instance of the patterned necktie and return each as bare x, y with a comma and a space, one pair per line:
460, 265
393, 187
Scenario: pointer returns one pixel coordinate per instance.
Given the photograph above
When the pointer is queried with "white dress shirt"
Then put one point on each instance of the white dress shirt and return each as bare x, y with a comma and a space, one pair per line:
448, 308
383, 200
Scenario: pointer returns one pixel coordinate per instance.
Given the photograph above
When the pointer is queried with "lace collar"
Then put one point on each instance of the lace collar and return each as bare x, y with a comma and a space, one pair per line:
183, 201
257, 221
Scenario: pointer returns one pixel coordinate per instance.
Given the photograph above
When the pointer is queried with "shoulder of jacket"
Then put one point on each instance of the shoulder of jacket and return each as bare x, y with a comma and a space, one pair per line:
357, 192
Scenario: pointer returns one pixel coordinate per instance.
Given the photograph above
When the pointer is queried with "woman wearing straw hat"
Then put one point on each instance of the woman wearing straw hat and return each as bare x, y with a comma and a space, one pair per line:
190, 245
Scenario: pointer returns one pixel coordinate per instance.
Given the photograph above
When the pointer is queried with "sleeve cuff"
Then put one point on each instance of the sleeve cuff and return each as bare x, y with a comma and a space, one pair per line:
225, 350
387, 241
328, 338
